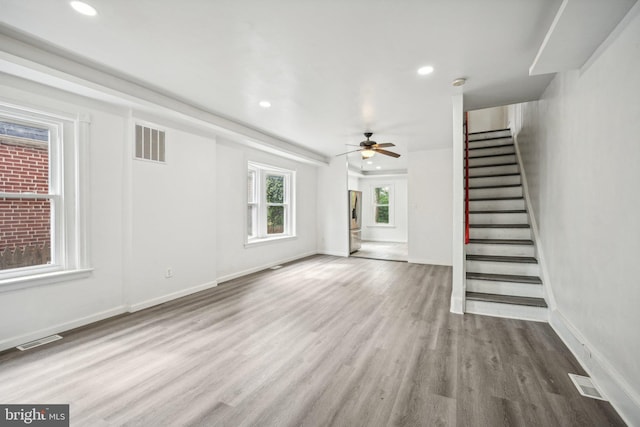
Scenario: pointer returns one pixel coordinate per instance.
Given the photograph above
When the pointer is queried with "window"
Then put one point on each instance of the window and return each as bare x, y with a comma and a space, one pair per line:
40, 205
382, 208
270, 211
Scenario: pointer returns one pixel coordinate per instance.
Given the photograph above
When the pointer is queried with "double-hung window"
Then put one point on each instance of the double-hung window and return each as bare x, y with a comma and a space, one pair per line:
41, 228
270, 208
382, 205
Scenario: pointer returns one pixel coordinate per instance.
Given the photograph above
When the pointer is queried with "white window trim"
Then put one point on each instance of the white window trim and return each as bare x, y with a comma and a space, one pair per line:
261, 237
69, 151
374, 204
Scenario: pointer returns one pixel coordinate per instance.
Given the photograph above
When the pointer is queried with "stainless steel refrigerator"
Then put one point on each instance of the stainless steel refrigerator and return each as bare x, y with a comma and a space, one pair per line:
355, 220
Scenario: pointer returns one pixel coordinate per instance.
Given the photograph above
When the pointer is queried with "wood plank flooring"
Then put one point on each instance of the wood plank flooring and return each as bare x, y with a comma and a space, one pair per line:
324, 341
391, 251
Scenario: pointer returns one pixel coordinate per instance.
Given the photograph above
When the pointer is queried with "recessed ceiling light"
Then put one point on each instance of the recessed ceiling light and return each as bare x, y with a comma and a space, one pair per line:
427, 69
459, 82
369, 162
378, 167
83, 8
264, 104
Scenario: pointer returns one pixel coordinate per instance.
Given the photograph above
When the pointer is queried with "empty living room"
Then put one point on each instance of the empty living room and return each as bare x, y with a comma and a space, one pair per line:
355, 213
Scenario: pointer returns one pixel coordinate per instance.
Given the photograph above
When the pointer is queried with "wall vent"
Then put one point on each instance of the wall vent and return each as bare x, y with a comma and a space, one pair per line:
38, 342
586, 387
150, 144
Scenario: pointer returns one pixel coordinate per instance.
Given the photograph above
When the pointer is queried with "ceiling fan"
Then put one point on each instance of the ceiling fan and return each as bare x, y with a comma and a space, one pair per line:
368, 148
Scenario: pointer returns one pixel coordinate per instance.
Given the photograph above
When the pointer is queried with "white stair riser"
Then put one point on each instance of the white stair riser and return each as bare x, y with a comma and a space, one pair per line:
539, 314
494, 134
503, 149
496, 205
498, 218
487, 193
500, 233
494, 180
495, 267
505, 288
506, 250
493, 170
498, 160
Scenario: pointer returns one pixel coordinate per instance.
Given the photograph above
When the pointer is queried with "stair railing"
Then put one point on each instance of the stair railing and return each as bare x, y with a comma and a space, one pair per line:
466, 178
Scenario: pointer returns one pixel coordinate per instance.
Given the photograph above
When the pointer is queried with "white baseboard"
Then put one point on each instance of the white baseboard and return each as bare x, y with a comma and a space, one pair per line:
613, 385
457, 305
547, 287
429, 261
60, 328
168, 297
334, 253
232, 276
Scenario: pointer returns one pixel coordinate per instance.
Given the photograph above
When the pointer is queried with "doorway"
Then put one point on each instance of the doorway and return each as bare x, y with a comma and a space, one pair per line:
382, 227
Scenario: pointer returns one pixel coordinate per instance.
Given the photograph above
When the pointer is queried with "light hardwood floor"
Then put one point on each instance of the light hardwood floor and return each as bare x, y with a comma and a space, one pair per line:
323, 341
390, 251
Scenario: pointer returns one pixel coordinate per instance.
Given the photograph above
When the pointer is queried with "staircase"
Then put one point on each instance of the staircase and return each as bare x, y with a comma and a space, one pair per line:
502, 272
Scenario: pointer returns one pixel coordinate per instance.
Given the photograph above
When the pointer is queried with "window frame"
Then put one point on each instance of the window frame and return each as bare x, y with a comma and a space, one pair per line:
260, 205
375, 205
68, 140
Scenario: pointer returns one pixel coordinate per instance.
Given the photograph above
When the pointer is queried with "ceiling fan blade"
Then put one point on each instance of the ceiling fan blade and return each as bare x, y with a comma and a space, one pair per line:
386, 144
348, 152
387, 153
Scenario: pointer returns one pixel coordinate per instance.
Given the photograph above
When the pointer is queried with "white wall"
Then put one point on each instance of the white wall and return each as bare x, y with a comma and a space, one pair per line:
581, 157
332, 193
234, 259
187, 214
173, 221
36, 312
398, 231
353, 182
431, 206
488, 119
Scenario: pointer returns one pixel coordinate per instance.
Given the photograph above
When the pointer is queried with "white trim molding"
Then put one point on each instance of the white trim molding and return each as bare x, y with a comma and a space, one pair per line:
613, 385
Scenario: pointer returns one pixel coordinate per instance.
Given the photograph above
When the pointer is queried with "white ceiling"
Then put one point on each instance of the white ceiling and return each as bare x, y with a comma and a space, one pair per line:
331, 68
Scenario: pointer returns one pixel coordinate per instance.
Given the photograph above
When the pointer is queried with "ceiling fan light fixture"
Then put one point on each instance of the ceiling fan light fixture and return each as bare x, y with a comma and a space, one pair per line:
368, 153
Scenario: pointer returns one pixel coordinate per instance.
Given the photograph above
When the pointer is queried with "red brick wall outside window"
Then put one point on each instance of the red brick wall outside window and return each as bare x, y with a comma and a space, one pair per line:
25, 224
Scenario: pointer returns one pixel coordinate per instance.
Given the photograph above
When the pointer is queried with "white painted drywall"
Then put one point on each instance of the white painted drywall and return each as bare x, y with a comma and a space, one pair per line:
234, 258
458, 282
396, 232
36, 312
187, 214
581, 157
332, 208
353, 182
430, 190
488, 119
173, 220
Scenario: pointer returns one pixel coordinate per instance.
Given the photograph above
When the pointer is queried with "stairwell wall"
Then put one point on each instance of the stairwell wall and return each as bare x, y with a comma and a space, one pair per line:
580, 154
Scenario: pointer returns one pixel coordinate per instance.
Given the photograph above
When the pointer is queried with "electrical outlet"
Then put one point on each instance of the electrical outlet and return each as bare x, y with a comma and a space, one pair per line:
169, 273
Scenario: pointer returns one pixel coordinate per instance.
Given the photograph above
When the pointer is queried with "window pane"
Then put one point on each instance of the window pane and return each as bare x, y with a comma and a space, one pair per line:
382, 195
251, 220
275, 219
24, 159
382, 214
275, 189
251, 187
25, 232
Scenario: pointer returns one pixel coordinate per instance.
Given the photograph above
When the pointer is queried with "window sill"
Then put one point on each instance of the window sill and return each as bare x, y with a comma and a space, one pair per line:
381, 226
268, 240
33, 280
